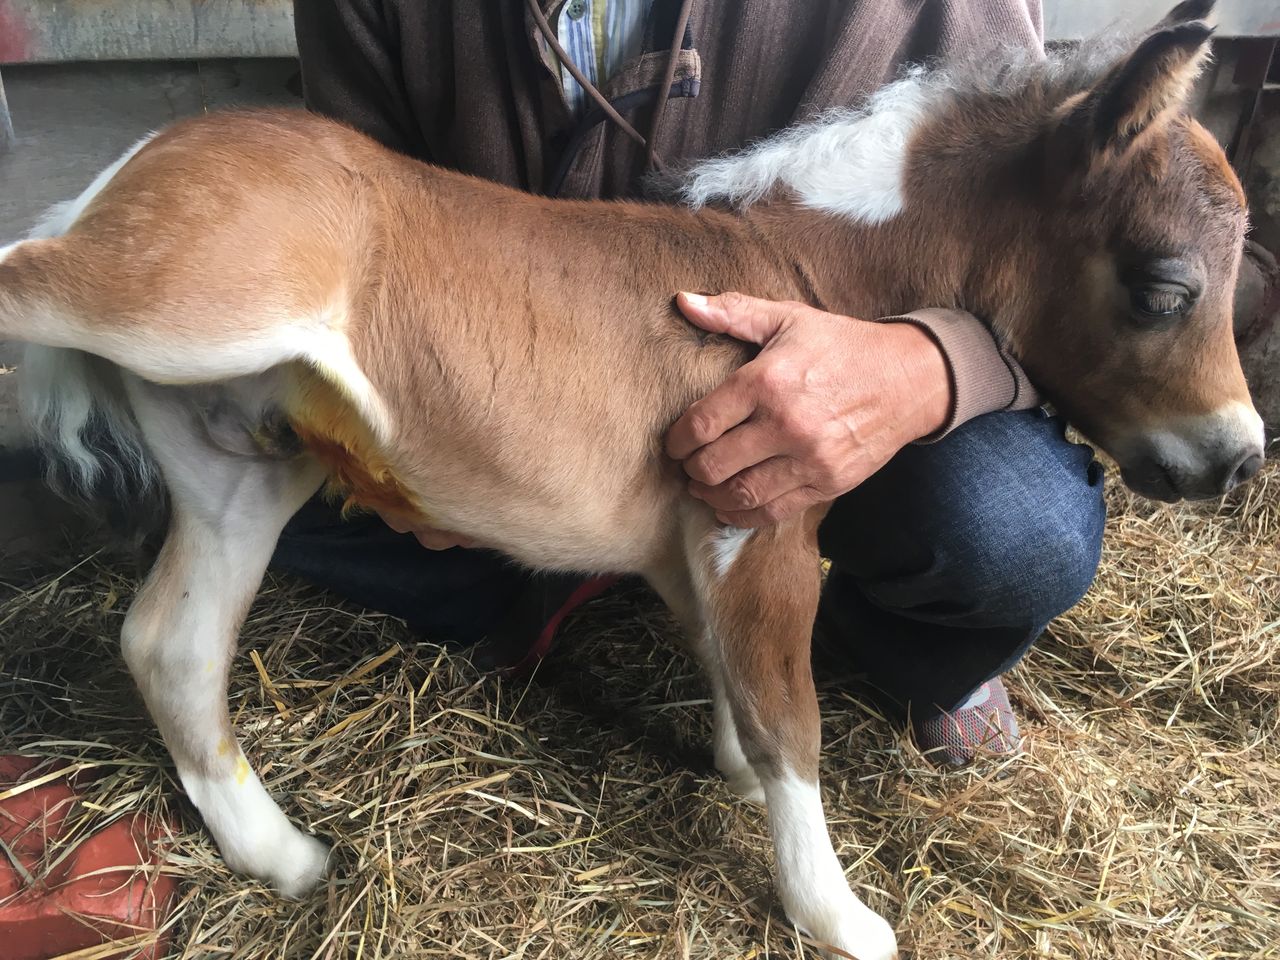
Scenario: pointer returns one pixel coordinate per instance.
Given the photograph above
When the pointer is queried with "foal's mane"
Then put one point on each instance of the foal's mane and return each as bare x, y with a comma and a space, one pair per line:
848, 160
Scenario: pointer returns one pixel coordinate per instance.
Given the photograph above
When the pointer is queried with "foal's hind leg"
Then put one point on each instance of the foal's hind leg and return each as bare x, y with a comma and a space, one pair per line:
180, 633
760, 611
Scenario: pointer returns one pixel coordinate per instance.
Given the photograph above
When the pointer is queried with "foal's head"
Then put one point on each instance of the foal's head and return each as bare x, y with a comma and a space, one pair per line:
1071, 201
1139, 227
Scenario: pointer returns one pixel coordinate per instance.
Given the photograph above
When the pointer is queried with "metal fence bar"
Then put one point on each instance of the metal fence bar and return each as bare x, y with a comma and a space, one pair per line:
6, 121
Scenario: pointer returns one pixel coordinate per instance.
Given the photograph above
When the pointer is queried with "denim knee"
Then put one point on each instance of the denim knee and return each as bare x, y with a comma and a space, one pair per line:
1024, 556
997, 526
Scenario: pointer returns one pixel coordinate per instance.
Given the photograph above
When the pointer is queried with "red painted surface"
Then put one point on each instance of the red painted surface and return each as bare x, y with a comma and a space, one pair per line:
15, 35
588, 590
93, 895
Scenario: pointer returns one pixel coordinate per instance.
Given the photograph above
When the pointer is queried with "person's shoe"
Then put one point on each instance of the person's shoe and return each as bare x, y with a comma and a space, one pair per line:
984, 723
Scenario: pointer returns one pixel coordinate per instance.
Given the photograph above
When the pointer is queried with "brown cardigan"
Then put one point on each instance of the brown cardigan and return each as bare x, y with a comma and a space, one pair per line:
471, 84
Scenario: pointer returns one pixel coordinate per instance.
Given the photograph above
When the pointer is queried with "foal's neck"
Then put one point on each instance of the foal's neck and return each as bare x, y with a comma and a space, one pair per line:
945, 252
912, 203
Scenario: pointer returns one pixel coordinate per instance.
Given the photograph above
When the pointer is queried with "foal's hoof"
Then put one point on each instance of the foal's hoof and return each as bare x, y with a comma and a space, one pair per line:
867, 936
747, 785
850, 926
293, 865
303, 867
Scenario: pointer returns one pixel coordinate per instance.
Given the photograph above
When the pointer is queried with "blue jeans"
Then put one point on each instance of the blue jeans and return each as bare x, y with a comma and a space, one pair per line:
949, 562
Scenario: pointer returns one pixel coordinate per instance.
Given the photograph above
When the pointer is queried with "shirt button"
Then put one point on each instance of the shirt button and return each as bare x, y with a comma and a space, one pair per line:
576, 9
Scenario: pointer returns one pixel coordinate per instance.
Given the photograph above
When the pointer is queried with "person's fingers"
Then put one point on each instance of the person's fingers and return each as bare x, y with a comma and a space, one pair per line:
783, 508
752, 487
742, 447
736, 314
707, 419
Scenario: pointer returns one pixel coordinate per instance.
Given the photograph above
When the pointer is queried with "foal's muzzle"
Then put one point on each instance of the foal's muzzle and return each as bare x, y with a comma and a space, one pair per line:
1198, 458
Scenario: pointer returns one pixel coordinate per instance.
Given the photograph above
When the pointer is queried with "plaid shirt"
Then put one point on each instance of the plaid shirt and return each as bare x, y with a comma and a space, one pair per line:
600, 36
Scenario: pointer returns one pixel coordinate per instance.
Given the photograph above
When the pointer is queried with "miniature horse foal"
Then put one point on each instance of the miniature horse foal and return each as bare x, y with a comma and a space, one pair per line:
251, 305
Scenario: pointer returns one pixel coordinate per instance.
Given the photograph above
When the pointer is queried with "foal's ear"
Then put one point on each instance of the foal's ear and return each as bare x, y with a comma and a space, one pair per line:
1156, 78
1153, 81
1186, 12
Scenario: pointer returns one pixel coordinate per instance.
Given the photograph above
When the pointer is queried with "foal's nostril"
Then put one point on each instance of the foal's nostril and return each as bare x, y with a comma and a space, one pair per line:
1249, 466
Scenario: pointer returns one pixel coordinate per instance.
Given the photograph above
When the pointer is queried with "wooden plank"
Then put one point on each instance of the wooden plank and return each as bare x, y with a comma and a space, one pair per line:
37, 31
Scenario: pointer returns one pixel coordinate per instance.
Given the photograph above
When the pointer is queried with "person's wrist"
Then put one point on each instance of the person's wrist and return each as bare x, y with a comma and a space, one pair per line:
925, 385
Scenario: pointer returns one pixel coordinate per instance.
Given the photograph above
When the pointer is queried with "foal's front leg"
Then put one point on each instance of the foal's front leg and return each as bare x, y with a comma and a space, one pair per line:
676, 584
180, 634
760, 611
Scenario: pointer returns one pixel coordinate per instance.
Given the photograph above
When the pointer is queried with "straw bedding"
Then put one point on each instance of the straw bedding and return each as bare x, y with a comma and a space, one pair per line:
576, 814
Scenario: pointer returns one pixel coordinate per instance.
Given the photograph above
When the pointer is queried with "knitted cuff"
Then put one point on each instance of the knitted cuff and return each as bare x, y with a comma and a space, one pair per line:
984, 377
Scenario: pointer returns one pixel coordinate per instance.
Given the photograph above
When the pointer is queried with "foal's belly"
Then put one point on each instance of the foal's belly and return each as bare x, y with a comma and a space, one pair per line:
616, 524
549, 506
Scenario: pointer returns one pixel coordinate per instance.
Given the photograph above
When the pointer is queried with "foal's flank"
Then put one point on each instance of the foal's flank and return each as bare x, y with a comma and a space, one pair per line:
468, 358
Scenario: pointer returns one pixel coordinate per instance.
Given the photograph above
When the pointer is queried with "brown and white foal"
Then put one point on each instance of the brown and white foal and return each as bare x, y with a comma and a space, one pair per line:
252, 304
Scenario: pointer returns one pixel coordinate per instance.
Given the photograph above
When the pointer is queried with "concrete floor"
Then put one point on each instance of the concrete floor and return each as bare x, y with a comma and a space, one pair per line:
70, 121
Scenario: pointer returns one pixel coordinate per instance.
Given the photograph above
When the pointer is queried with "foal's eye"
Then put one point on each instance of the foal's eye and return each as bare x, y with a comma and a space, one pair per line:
1160, 301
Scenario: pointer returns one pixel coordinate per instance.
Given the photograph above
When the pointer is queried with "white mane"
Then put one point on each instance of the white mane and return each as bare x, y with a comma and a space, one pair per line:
845, 162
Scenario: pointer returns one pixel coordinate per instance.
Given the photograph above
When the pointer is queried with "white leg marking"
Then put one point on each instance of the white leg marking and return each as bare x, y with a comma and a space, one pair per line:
813, 888
730, 760
726, 544
255, 838
674, 584
178, 639
180, 633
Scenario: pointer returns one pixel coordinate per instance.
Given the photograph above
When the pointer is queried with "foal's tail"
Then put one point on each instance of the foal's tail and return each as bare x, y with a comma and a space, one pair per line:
146, 275
75, 406
73, 401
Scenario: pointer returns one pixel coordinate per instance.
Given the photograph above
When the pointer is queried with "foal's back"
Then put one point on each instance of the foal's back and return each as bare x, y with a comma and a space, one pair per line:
433, 334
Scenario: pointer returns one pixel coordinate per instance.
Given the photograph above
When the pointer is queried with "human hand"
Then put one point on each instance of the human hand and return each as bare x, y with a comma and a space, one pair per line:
826, 403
